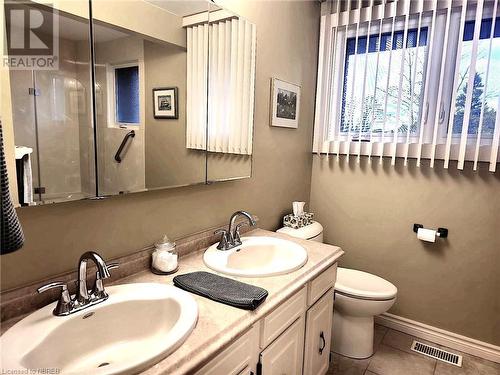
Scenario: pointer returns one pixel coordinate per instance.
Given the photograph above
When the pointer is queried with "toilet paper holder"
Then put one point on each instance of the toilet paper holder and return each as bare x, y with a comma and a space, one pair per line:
441, 232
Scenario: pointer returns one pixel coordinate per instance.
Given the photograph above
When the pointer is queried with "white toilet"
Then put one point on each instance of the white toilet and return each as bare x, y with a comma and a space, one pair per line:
359, 297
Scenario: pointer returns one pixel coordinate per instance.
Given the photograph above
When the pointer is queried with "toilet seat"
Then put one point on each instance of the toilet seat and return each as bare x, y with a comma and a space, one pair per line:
363, 285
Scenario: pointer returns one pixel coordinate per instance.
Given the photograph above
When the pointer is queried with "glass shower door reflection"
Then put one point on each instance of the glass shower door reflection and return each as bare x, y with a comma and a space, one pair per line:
52, 119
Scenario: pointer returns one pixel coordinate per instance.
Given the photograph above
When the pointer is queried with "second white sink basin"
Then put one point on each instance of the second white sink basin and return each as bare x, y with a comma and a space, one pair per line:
135, 327
257, 257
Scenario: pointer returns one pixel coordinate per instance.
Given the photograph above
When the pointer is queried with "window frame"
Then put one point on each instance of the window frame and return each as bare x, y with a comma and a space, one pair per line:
112, 99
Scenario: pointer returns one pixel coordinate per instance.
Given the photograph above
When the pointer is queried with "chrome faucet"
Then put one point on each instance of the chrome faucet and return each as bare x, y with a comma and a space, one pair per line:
83, 298
82, 293
231, 237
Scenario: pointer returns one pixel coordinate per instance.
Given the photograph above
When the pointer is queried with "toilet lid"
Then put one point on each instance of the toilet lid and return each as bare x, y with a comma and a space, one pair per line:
364, 285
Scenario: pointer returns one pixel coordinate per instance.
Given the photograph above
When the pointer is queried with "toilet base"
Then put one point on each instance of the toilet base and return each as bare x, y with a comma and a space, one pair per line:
352, 336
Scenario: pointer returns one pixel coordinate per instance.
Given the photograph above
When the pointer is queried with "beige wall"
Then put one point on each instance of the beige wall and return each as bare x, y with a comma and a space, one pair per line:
57, 234
369, 210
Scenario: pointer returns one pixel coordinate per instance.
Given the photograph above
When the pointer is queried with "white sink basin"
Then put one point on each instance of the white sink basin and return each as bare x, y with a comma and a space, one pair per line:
257, 257
136, 327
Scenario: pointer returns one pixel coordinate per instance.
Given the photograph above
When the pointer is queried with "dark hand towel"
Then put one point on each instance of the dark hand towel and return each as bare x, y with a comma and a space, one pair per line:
221, 289
12, 237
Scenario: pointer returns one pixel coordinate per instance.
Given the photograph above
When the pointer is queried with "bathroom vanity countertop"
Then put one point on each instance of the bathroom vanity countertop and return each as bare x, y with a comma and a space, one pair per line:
218, 324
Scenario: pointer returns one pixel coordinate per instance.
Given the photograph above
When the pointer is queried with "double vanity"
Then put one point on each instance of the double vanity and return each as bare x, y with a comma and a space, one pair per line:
145, 324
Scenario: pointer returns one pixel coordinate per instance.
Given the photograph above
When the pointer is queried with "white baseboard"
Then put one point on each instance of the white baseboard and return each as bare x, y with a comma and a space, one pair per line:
440, 336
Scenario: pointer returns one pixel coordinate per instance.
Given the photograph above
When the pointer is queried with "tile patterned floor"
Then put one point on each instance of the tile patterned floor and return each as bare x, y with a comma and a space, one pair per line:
393, 357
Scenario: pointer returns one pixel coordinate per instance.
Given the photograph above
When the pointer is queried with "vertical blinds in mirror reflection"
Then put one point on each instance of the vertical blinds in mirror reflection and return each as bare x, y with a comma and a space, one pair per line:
231, 90
199, 53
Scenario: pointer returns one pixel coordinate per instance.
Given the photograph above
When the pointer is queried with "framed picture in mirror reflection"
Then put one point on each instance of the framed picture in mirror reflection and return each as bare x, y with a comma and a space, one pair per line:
165, 103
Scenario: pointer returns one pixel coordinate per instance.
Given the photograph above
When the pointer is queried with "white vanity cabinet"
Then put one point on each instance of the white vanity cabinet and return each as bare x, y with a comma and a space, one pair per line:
318, 335
240, 357
293, 339
285, 354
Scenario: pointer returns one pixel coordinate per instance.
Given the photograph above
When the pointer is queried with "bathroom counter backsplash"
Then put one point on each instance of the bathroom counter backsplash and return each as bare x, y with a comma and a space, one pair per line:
219, 324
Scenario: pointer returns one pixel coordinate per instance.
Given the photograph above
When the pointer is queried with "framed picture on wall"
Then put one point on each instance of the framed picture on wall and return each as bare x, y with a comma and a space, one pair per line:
285, 104
165, 103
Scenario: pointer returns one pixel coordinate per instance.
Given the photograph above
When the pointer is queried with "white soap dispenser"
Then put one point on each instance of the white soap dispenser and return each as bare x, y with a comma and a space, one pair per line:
165, 259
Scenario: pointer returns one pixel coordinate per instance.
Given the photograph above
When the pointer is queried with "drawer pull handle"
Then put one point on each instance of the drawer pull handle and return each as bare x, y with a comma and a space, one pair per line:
323, 342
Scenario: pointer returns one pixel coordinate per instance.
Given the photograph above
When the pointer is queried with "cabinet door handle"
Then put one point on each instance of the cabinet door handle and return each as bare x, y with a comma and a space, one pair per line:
323, 342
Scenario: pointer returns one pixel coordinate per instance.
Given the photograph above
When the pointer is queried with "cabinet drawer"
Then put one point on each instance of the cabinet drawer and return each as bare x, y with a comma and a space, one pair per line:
285, 355
318, 335
321, 284
241, 357
281, 318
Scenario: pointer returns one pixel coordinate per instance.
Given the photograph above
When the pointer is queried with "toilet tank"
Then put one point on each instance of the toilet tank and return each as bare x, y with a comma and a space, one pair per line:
312, 232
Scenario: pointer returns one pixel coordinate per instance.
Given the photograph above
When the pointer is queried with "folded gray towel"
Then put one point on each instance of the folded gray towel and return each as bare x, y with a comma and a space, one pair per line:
221, 289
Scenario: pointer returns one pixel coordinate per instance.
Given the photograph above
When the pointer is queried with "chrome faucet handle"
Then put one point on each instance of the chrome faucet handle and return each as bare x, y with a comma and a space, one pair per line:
112, 265
98, 289
64, 304
224, 241
237, 236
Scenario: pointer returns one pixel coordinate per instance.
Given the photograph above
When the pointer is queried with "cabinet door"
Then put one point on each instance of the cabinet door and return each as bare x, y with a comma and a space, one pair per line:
318, 335
241, 357
285, 355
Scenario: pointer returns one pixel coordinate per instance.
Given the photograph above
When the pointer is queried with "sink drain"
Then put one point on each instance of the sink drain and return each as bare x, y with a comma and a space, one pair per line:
103, 364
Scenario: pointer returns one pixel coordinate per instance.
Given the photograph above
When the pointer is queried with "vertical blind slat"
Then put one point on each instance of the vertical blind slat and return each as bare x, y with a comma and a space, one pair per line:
496, 141
351, 114
338, 118
320, 89
251, 101
400, 87
414, 75
470, 85
332, 92
386, 100
372, 121
364, 79
451, 118
189, 80
425, 112
483, 101
330, 55
439, 112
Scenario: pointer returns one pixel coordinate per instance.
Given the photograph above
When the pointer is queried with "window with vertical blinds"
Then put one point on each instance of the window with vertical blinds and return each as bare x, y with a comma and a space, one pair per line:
411, 79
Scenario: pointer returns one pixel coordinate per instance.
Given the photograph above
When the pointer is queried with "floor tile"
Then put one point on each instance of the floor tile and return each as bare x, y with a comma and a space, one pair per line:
390, 361
402, 341
470, 366
347, 366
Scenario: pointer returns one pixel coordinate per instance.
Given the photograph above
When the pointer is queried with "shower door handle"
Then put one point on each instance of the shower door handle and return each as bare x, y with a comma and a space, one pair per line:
118, 157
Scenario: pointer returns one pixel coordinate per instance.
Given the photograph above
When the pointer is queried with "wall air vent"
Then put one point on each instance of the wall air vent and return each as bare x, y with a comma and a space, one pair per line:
439, 354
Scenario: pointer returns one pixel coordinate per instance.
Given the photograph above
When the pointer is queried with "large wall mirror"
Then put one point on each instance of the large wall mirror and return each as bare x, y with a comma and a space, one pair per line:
172, 104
